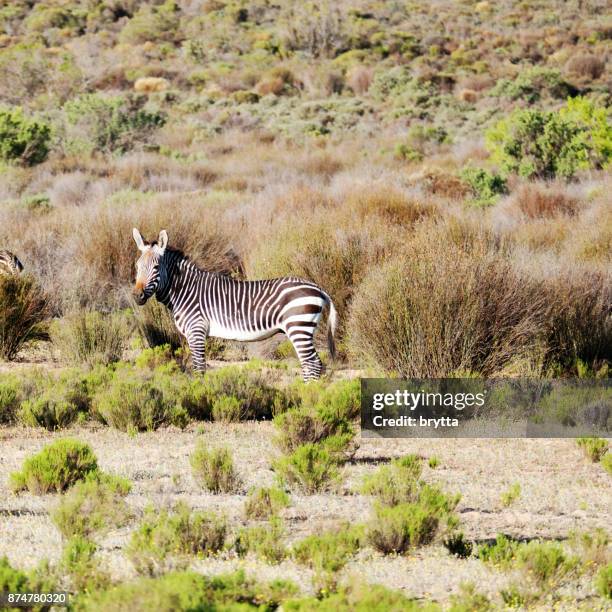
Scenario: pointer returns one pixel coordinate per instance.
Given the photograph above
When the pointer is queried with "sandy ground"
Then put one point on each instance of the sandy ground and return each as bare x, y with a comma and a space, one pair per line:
561, 491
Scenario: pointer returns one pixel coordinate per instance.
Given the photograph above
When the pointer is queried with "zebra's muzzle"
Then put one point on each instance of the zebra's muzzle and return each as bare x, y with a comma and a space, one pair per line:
140, 297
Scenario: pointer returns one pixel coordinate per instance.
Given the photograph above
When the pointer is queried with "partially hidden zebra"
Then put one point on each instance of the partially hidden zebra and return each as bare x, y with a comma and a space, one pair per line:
9, 263
210, 304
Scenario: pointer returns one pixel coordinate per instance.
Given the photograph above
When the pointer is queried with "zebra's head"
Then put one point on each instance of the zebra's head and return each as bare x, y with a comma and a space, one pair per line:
148, 265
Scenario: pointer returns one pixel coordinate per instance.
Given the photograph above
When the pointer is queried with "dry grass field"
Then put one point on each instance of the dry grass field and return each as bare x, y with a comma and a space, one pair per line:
441, 169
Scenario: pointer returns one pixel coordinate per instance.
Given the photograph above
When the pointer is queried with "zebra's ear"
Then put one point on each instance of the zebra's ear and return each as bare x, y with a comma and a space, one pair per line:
138, 239
162, 241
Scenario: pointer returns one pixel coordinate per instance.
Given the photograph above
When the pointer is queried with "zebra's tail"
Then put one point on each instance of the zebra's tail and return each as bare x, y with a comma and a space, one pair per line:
332, 324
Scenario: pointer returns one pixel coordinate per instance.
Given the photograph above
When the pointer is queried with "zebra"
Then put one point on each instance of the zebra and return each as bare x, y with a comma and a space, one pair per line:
9, 263
211, 304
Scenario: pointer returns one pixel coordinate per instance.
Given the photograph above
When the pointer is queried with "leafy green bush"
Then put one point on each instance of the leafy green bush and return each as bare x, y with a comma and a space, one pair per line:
56, 467
606, 463
93, 505
603, 581
95, 122
265, 502
311, 468
546, 144
214, 469
486, 186
265, 541
152, 23
328, 552
545, 562
470, 600
134, 400
22, 138
188, 591
13, 580
396, 483
532, 84
79, 563
24, 312
501, 552
594, 448
91, 337
511, 495
10, 398
163, 535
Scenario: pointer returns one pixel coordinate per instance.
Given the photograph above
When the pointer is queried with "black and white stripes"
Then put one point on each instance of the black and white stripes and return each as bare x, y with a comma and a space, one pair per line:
206, 304
9, 263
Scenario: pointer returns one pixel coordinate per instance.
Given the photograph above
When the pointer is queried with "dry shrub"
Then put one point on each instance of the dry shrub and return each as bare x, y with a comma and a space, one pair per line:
322, 164
151, 84
449, 306
440, 183
24, 311
585, 65
537, 201
270, 85
157, 327
476, 82
468, 95
359, 79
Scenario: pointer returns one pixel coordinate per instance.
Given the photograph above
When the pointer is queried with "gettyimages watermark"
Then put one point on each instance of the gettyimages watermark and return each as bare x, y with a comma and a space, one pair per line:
479, 408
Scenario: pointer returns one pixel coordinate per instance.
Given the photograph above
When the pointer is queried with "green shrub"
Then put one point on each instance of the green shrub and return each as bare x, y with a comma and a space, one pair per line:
91, 337
163, 535
328, 552
397, 529
39, 580
530, 85
265, 541
486, 186
79, 563
265, 502
545, 144
396, 483
470, 600
545, 562
311, 468
140, 401
22, 138
433, 462
95, 122
24, 312
214, 469
56, 467
188, 591
458, 546
594, 448
10, 398
93, 505
156, 23
606, 463
501, 552
511, 495
603, 581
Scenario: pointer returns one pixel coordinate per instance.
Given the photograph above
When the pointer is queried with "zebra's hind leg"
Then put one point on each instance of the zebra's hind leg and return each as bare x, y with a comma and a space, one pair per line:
312, 367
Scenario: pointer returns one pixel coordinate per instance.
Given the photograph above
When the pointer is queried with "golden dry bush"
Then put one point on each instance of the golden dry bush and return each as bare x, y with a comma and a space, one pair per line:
585, 65
535, 200
359, 78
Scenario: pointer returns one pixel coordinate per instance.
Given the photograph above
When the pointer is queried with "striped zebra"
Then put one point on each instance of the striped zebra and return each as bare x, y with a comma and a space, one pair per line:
9, 263
209, 304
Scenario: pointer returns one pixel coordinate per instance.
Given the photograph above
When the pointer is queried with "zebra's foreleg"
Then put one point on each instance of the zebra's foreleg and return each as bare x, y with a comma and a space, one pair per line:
196, 338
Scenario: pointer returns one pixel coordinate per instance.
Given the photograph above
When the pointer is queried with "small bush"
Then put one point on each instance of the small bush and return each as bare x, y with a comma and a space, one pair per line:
486, 186
156, 326
265, 541
397, 529
56, 467
603, 581
95, 122
511, 495
265, 502
433, 462
328, 552
13, 580
501, 553
470, 600
458, 546
396, 483
24, 311
23, 139
94, 505
91, 338
182, 532
311, 468
138, 401
10, 398
594, 448
544, 144
214, 469
545, 562
79, 563
606, 463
